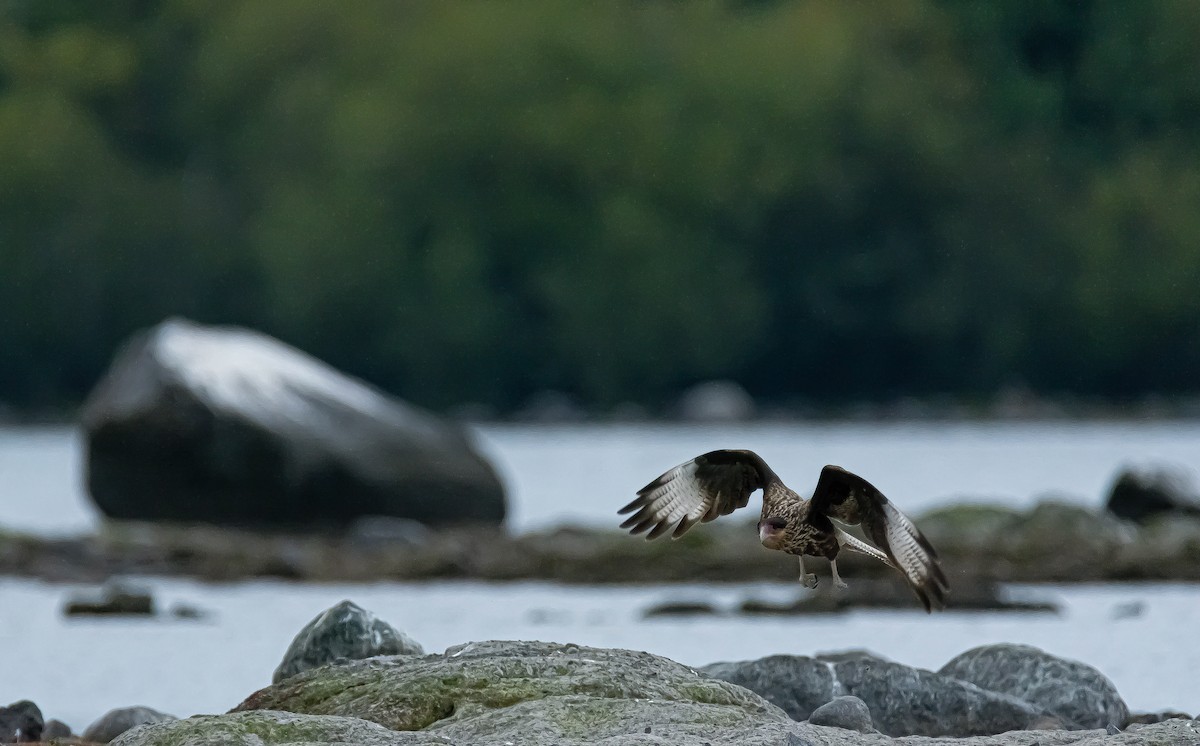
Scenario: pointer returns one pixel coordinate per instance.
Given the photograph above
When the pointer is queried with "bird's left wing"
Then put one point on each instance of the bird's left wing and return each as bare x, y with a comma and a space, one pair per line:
711, 485
851, 499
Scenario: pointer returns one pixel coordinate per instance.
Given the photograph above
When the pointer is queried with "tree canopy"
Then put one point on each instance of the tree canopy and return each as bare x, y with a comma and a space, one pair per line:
472, 202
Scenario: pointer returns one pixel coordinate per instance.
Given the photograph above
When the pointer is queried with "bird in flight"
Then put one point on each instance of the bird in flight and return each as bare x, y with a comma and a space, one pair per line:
719, 482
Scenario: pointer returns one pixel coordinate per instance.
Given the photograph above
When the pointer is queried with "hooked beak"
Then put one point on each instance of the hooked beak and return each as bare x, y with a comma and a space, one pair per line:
769, 534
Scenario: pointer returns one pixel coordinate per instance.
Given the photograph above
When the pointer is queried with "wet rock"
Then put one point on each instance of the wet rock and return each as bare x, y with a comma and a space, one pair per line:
265, 728
1073, 691
467, 681
21, 722
186, 611
344, 631
847, 712
1139, 494
680, 608
232, 427
113, 599
902, 700
115, 722
716, 401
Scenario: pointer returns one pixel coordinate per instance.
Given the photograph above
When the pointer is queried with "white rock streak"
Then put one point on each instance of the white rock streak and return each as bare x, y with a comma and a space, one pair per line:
237, 370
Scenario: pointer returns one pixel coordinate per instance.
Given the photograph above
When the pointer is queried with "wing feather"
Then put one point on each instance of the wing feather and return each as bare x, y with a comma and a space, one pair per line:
697, 491
851, 499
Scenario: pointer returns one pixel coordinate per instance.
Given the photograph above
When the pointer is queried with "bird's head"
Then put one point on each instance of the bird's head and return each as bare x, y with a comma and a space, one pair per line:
771, 532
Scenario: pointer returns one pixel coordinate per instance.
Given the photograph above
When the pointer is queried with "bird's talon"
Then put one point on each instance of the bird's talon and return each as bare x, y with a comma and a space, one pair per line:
809, 580
840, 585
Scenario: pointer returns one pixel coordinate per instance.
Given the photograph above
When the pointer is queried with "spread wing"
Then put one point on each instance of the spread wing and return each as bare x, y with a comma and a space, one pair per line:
851, 499
714, 484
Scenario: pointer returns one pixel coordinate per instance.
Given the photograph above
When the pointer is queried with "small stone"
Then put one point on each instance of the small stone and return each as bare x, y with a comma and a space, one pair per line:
115, 722
680, 608
113, 599
345, 631
847, 712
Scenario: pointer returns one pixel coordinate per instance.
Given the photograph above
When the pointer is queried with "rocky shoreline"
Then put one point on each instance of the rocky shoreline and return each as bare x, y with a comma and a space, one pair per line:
1052, 542
349, 677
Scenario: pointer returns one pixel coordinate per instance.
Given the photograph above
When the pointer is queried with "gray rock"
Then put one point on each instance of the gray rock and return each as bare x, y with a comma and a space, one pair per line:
1139, 494
115, 722
582, 720
1075, 692
56, 729
902, 700
344, 631
21, 722
607, 689
846, 712
266, 728
1145, 718
229, 426
796, 684
113, 599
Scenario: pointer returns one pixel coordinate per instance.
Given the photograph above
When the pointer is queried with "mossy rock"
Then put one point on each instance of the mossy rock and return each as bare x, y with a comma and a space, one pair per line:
967, 526
266, 728
412, 693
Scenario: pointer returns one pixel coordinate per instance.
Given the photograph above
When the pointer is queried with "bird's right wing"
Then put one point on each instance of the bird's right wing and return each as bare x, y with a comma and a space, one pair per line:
714, 484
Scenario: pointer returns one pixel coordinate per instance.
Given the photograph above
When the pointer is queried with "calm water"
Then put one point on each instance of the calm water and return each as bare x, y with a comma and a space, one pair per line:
582, 474
77, 669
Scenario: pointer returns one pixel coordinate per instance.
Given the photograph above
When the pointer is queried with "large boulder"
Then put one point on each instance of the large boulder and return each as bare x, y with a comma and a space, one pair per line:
345, 631
1075, 692
535, 693
582, 721
1139, 494
115, 722
229, 426
902, 700
21, 722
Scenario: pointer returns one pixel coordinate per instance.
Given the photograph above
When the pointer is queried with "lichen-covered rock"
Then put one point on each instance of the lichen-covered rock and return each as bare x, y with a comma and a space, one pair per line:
582, 721
412, 693
344, 631
232, 427
1074, 691
115, 722
266, 728
902, 700
846, 712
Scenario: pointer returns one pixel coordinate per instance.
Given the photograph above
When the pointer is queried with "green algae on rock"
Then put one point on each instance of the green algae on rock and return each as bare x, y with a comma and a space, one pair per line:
412, 693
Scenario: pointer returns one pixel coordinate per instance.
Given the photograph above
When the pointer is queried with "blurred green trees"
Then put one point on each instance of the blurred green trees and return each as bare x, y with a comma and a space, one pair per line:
475, 201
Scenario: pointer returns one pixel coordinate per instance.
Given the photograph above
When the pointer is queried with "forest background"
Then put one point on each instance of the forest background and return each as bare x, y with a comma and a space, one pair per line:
471, 202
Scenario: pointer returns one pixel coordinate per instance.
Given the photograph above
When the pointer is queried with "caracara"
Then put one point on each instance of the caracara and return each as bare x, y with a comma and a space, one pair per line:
719, 482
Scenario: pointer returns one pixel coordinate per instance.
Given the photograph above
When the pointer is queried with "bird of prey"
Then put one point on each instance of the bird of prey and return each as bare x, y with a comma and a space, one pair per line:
719, 482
